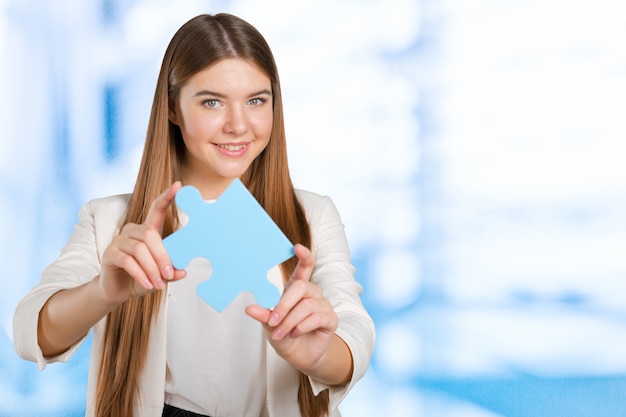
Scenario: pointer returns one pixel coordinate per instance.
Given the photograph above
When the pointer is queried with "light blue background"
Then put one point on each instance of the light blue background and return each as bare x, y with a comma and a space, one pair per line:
474, 148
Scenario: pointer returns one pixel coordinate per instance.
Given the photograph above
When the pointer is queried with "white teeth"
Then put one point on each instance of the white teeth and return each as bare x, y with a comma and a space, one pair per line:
232, 147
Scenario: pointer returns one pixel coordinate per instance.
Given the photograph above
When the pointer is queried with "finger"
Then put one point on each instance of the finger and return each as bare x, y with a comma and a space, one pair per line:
128, 263
294, 294
156, 214
179, 274
155, 219
306, 309
305, 265
258, 313
144, 235
297, 286
142, 255
323, 322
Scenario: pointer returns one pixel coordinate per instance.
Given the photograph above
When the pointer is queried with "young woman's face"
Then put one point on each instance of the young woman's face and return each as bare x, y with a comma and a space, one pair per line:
225, 116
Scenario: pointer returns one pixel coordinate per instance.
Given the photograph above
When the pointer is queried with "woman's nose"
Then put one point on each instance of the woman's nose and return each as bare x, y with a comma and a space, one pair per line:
236, 122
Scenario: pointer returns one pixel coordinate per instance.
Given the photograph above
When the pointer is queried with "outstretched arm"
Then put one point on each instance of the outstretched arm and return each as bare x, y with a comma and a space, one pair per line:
135, 264
302, 327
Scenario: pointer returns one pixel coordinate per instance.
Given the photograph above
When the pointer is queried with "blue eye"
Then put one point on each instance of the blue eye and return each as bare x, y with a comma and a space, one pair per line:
257, 101
212, 103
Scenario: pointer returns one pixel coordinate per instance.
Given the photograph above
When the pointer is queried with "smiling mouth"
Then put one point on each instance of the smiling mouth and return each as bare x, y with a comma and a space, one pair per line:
232, 148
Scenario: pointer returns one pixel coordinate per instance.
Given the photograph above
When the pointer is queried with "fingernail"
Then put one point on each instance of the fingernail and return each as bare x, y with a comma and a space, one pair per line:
273, 321
277, 334
168, 272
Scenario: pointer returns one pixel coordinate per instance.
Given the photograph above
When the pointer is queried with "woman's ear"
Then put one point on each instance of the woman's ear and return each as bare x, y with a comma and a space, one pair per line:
171, 114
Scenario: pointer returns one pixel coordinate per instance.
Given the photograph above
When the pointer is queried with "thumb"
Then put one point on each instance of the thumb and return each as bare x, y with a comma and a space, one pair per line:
306, 262
258, 313
156, 214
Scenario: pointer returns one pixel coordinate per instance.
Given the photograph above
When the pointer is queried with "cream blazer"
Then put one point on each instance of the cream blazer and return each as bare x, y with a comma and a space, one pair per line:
79, 262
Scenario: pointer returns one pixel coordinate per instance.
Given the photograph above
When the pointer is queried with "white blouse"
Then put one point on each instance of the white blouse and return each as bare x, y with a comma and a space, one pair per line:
211, 372
215, 361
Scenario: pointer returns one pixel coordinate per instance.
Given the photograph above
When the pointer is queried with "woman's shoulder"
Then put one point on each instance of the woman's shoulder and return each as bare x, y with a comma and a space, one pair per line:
318, 207
112, 207
103, 217
310, 200
110, 203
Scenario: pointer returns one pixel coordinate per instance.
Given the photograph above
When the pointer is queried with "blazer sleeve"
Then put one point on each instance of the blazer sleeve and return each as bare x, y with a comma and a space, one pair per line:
334, 274
78, 263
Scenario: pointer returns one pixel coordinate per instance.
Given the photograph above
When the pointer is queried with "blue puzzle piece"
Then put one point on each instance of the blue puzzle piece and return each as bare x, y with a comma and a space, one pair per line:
237, 236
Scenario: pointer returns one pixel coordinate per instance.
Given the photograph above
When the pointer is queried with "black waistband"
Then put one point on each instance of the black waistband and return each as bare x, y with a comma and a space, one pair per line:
171, 411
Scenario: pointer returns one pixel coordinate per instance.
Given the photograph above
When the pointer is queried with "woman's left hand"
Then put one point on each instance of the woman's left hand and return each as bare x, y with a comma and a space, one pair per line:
301, 327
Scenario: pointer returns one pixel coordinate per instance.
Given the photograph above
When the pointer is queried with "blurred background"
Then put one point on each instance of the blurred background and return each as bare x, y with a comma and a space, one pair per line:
475, 150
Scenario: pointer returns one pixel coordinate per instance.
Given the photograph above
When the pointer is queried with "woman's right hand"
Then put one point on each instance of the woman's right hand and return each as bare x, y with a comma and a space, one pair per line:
136, 263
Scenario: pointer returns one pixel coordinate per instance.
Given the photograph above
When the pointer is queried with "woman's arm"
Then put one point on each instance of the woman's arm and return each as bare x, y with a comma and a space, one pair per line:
336, 366
68, 315
134, 264
302, 327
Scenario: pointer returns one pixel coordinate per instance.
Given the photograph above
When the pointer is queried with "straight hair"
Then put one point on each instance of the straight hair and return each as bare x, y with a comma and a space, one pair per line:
198, 44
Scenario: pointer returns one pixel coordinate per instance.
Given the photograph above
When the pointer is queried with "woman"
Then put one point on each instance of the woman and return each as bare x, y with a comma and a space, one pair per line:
158, 349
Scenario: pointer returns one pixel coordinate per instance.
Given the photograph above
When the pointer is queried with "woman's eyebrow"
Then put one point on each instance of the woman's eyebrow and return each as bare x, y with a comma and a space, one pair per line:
209, 93
220, 95
262, 92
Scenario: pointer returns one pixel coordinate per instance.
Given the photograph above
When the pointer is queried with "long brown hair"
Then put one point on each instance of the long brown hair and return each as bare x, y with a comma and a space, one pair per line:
198, 44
